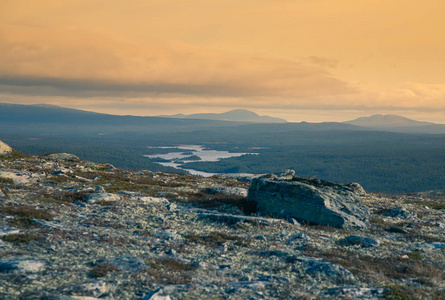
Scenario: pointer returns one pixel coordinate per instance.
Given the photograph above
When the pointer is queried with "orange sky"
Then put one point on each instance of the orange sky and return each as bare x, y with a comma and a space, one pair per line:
311, 60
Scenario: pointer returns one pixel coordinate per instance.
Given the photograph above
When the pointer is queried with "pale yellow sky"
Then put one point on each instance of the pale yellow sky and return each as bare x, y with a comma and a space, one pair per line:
311, 60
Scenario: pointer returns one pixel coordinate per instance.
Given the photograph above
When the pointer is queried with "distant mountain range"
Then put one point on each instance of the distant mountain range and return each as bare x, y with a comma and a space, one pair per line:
397, 123
387, 121
238, 115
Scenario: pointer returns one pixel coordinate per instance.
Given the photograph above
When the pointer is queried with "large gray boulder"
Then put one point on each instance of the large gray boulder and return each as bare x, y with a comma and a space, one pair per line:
310, 200
4, 149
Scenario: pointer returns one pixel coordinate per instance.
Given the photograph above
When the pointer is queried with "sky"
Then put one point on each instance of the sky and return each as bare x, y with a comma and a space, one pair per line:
302, 60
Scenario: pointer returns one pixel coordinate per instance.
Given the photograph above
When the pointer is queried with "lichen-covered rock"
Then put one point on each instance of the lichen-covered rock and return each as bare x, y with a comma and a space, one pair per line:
21, 265
93, 198
310, 200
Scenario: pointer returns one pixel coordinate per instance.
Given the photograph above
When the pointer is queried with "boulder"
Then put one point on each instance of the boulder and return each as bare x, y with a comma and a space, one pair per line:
310, 200
4, 149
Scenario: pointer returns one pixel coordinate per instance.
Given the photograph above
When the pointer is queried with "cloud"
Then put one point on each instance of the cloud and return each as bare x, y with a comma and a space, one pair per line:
81, 63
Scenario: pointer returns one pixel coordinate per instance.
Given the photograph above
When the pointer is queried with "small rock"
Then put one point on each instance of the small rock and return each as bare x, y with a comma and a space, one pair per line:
332, 271
168, 235
171, 206
302, 236
358, 240
129, 193
6, 229
127, 263
81, 204
100, 189
21, 265
158, 295
294, 222
93, 198
228, 190
399, 212
95, 288
153, 200
357, 292
261, 238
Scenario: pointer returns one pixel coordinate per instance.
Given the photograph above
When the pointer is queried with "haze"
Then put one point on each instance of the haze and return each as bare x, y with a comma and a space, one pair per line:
311, 60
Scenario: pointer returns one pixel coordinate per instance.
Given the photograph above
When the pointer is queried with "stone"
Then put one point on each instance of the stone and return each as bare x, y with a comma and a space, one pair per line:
127, 263
96, 288
168, 235
21, 265
335, 272
310, 200
294, 222
399, 212
129, 193
287, 174
148, 200
357, 292
4, 149
49, 224
432, 246
99, 189
6, 229
93, 198
158, 295
229, 190
359, 240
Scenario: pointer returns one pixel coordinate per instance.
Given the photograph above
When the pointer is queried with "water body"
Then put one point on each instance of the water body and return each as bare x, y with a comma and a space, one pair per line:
200, 151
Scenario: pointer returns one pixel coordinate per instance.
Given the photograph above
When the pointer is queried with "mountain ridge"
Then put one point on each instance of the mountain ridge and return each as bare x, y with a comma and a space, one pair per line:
241, 115
390, 120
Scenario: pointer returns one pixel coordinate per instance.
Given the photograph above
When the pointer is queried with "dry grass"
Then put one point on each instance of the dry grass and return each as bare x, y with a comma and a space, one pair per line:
27, 211
19, 238
102, 270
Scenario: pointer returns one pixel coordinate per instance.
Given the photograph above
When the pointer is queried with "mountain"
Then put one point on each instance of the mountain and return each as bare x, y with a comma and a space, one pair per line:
387, 121
396, 123
239, 115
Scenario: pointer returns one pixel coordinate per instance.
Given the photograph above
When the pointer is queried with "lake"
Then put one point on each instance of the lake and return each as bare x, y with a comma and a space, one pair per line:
193, 150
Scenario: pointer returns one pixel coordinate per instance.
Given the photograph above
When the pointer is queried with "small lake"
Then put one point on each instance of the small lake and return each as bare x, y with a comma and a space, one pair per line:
189, 151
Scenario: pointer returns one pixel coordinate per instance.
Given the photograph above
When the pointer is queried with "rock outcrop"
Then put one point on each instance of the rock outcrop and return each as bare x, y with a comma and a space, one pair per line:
310, 200
4, 149
80, 230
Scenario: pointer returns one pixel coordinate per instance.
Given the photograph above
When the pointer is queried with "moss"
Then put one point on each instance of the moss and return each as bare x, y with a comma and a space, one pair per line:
19, 238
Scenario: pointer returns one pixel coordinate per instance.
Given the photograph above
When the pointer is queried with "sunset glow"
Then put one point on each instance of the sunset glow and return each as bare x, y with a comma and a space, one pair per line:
304, 60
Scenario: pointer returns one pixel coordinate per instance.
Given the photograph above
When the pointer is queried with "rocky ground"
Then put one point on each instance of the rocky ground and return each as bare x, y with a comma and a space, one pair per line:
72, 229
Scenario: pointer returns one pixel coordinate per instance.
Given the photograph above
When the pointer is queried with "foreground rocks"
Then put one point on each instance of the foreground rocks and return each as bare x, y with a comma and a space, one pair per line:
310, 200
96, 232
